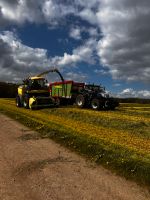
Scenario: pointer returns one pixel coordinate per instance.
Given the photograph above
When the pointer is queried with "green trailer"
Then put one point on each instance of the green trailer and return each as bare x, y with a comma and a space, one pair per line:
65, 92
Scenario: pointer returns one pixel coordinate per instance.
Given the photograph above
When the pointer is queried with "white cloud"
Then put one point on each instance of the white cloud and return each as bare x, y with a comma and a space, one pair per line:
79, 77
101, 72
75, 33
124, 25
87, 3
33, 11
18, 60
93, 32
53, 12
83, 53
66, 59
125, 45
88, 15
129, 92
18, 12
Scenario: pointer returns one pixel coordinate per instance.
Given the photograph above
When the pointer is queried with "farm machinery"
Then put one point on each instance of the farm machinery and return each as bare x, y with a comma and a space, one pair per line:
35, 92
83, 95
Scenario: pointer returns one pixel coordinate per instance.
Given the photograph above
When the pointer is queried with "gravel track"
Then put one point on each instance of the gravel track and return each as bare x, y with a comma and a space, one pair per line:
39, 169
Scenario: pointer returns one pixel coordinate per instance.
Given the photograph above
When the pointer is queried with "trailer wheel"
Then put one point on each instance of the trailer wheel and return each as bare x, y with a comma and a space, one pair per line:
80, 101
18, 102
26, 102
95, 104
57, 101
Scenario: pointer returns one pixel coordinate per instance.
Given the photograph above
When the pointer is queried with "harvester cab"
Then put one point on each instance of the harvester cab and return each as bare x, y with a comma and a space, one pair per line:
34, 92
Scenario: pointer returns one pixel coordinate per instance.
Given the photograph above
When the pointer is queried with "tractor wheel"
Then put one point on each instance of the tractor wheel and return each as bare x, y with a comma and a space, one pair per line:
18, 102
95, 104
57, 101
26, 102
107, 106
80, 101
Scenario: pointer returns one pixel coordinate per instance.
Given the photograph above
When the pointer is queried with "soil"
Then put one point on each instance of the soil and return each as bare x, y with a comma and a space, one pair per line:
40, 169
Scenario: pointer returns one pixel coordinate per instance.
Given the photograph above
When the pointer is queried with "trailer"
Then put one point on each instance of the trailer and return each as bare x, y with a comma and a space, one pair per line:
65, 92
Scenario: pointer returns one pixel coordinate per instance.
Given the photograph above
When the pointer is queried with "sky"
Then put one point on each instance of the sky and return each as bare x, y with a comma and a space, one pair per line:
100, 41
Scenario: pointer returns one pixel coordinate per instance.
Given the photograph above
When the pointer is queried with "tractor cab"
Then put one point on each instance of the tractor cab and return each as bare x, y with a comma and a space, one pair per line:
94, 88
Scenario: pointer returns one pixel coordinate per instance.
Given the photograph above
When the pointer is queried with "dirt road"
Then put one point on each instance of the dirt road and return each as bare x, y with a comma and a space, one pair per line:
39, 169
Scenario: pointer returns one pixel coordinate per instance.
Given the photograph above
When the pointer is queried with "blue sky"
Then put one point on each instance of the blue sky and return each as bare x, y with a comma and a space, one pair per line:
97, 41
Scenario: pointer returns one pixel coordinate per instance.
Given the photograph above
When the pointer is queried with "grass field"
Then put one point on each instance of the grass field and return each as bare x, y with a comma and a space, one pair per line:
120, 139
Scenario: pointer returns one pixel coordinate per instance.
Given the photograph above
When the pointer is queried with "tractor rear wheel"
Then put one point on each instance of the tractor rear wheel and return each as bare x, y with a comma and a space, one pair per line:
80, 101
95, 104
18, 102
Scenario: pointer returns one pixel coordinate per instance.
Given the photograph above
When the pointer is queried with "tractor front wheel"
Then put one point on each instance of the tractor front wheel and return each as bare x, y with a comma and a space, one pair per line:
26, 102
95, 104
80, 101
18, 102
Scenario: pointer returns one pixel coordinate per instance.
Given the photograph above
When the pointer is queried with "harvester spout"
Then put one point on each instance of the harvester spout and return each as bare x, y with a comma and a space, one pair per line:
52, 70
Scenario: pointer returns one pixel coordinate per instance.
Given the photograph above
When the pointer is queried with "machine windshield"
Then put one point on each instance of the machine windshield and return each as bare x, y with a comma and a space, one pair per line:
37, 84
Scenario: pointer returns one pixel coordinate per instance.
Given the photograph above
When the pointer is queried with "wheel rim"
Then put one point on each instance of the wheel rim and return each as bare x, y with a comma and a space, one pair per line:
80, 103
94, 106
57, 102
106, 104
25, 104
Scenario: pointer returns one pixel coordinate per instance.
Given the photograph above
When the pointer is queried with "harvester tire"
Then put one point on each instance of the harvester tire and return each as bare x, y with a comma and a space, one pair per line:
95, 104
80, 101
26, 102
18, 102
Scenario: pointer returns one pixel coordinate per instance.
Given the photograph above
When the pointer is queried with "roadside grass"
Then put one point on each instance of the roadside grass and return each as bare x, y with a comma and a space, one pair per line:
94, 134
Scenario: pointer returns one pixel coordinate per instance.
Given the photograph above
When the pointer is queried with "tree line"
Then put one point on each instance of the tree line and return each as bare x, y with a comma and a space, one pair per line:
134, 100
8, 90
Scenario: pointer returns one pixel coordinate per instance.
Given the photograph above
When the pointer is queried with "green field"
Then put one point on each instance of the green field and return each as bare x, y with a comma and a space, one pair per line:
119, 140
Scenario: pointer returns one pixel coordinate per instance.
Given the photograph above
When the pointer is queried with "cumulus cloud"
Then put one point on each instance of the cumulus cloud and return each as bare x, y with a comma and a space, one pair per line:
86, 3
75, 33
20, 11
129, 92
45, 11
33, 11
18, 60
125, 45
123, 25
79, 77
83, 53
88, 15
54, 11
